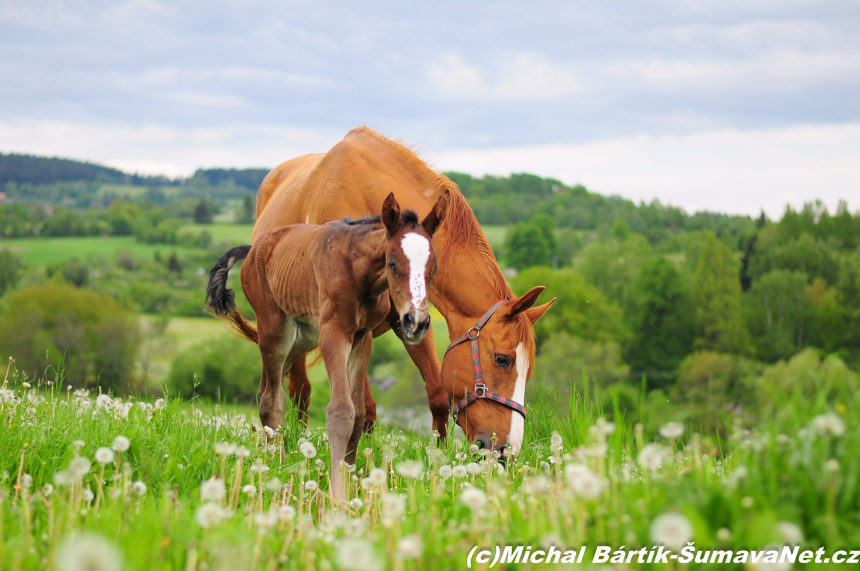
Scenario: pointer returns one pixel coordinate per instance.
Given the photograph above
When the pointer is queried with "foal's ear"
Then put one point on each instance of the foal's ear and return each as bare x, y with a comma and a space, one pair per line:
526, 302
391, 214
437, 215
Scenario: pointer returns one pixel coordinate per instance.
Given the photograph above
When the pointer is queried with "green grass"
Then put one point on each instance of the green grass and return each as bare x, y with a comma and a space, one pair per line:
235, 234
758, 487
44, 251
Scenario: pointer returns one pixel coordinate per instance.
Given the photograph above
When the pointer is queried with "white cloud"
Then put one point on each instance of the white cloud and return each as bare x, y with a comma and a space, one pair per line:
728, 171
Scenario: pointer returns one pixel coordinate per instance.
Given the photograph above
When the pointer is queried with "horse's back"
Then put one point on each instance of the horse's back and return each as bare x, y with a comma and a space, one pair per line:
352, 179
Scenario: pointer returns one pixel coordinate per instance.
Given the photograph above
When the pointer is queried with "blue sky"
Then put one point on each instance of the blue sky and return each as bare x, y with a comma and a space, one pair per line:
731, 106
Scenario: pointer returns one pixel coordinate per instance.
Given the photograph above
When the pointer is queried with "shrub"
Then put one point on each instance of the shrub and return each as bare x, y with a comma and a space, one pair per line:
227, 369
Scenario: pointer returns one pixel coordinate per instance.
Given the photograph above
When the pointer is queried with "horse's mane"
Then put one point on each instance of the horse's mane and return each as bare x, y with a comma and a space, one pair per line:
462, 229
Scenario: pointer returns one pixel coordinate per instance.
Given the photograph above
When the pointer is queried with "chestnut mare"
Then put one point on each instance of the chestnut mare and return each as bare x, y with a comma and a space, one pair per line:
326, 285
352, 180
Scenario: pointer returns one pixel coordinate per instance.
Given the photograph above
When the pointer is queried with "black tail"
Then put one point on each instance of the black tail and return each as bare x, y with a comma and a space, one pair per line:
219, 298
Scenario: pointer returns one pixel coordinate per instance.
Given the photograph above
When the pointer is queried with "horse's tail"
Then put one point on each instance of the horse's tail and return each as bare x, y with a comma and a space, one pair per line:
221, 300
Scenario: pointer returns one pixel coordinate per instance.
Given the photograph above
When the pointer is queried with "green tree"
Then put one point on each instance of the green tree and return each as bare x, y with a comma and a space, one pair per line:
526, 245
204, 212
717, 300
227, 369
661, 318
580, 309
781, 315
10, 267
614, 265
247, 212
91, 335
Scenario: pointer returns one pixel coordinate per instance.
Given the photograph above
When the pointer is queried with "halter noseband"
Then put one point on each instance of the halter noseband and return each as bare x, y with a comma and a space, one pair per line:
481, 391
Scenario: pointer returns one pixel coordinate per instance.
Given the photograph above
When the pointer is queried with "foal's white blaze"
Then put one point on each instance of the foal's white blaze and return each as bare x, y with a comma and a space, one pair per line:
516, 434
417, 250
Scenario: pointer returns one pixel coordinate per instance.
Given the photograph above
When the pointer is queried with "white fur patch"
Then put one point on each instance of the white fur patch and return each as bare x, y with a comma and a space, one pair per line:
417, 250
516, 434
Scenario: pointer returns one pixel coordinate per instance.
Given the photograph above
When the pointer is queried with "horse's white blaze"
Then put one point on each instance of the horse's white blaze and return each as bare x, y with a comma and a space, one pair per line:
417, 250
516, 434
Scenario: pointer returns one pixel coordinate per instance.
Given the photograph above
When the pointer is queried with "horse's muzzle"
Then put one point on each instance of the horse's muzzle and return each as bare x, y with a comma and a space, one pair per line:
414, 329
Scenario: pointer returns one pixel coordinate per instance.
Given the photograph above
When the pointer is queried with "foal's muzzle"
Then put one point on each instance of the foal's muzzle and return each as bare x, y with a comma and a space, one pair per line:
413, 327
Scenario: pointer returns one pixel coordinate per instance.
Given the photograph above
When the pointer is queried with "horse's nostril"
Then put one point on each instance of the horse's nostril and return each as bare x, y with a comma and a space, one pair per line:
408, 322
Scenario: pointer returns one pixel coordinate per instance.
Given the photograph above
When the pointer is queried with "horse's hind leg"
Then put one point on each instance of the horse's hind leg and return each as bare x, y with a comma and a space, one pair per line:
276, 334
300, 387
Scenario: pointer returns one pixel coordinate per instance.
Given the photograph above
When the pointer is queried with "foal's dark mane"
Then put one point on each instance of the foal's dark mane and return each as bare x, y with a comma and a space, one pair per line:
408, 217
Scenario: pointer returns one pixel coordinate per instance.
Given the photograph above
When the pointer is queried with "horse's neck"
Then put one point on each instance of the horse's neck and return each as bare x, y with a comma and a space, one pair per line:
465, 289
368, 263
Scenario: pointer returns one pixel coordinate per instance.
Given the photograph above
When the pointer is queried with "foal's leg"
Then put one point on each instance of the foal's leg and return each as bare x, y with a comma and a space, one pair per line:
300, 387
357, 379
336, 346
276, 334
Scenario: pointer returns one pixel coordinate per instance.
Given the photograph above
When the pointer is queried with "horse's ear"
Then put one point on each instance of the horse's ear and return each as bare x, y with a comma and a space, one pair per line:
525, 302
437, 215
391, 214
536, 313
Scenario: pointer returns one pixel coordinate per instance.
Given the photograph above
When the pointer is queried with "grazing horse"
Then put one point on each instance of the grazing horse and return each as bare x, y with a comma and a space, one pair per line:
331, 285
351, 180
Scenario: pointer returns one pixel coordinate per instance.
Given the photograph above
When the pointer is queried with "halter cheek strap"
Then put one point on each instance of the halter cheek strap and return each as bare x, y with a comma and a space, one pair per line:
481, 391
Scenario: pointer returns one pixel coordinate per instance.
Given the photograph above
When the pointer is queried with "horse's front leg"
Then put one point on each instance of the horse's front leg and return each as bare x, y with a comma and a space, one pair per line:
336, 345
357, 380
424, 356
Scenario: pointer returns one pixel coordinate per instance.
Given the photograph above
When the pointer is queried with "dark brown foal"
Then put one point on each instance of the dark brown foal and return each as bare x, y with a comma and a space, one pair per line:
329, 285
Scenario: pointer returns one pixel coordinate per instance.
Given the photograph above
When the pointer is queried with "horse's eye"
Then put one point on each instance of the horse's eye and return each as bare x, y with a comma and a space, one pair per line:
503, 361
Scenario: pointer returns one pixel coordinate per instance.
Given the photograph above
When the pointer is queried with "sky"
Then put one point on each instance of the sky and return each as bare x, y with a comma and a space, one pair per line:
725, 106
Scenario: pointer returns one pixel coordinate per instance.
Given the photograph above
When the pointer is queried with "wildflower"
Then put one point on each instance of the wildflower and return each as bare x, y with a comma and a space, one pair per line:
307, 449
25, 384
287, 512
63, 478
47, 490
536, 485
603, 427
651, 457
587, 485
410, 547
209, 514
88, 551
242, 452
267, 520
460, 471
80, 467
259, 467
251, 489
473, 498
445, 472
274, 484
393, 506
672, 430
556, 443
473, 468
269, 431
138, 488
104, 455
828, 424
831, 465
377, 477
671, 530
88, 495
78, 444
747, 502
103, 401
410, 469
26, 481
225, 448
311, 486
473, 449
357, 555
724, 534
160, 404
791, 534
213, 490
121, 444
356, 503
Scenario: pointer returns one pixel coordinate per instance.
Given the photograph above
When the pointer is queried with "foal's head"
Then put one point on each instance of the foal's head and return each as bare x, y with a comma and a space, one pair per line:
410, 262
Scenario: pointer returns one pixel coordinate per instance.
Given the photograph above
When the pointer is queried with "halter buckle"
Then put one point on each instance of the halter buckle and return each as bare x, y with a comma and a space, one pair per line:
481, 391
469, 333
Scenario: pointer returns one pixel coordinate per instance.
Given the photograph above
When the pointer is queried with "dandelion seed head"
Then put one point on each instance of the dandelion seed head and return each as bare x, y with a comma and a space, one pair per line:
410, 547
104, 455
307, 449
213, 490
249, 489
672, 430
121, 444
357, 555
138, 488
311, 486
88, 552
473, 498
209, 515
410, 469
672, 530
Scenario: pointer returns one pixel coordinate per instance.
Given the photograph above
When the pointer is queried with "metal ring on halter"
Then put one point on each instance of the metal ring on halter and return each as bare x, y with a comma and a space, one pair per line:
481, 391
469, 333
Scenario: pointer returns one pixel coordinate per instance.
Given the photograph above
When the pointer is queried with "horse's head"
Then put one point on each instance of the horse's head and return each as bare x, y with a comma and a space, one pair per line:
506, 346
410, 262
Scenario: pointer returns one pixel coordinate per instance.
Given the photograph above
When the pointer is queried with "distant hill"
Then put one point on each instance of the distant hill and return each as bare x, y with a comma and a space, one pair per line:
249, 178
43, 170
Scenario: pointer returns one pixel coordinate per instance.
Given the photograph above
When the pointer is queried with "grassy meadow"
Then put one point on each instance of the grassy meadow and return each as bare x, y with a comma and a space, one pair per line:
91, 482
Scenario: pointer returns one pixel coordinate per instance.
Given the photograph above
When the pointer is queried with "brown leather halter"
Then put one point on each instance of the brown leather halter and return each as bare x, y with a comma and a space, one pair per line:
481, 391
